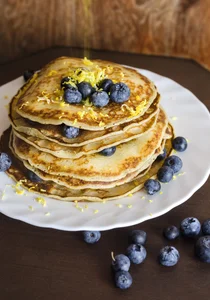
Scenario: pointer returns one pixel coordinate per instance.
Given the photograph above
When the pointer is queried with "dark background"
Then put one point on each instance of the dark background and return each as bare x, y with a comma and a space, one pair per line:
42, 264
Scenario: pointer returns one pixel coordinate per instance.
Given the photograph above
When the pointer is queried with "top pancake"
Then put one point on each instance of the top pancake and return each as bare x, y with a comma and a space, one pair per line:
42, 99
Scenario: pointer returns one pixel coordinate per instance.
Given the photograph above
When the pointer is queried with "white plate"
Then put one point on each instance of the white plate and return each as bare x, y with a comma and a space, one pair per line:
193, 122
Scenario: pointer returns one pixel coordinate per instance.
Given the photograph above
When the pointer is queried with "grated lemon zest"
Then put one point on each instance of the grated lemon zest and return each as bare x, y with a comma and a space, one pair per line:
81, 114
119, 205
143, 197
87, 62
130, 195
134, 112
181, 174
75, 121
138, 98
95, 211
150, 214
104, 201
47, 214
174, 177
31, 208
101, 124
5, 97
129, 206
42, 190
150, 201
174, 118
52, 72
86, 206
19, 192
161, 193
41, 200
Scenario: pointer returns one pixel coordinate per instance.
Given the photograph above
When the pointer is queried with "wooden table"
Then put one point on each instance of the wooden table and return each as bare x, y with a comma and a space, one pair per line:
42, 264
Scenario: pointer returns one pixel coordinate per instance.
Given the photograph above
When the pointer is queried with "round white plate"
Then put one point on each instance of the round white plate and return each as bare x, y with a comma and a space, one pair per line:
190, 118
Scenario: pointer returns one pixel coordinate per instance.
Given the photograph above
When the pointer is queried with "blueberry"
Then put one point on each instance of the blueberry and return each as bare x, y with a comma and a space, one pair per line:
121, 263
206, 227
108, 151
174, 162
136, 253
171, 232
33, 177
179, 144
169, 256
91, 237
70, 132
5, 162
202, 248
85, 89
165, 174
152, 186
119, 92
99, 99
190, 227
162, 156
106, 85
28, 74
123, 280
65, 83
72, 96
137, 237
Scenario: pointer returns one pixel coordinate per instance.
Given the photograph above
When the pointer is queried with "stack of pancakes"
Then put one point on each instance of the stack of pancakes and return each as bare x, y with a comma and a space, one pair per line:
74, 168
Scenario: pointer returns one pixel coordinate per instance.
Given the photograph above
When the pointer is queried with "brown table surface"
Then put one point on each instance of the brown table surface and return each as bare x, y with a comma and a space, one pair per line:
38, 263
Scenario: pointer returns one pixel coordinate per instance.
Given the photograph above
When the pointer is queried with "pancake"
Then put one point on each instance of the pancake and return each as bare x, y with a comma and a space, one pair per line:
48, 188
42, 101
54, 133
94, 147
129, 157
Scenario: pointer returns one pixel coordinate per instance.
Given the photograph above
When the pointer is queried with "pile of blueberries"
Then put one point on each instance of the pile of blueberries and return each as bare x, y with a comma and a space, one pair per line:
168, 255
100, 96
106, 91
172, 165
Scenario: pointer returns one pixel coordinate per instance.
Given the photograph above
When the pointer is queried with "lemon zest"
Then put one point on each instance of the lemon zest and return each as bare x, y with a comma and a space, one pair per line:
129, 206
95, 211
41, 200
87, 62
31, 208
75, 121
52, 72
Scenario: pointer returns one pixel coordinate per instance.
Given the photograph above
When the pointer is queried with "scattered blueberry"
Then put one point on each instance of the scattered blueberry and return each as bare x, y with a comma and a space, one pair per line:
70, 132
162, 156
152, 186
136, 253
106, 84
99, 99
119, 92
179, 144
108, 151
5, 162
137, 237
174, 162
91, 237
65, 83
169, 256
165, 174
28, 74
33, 177
206, 227
171, 232
123, 280
190, 227
121, 263
202, 248
85, 89
72, 96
